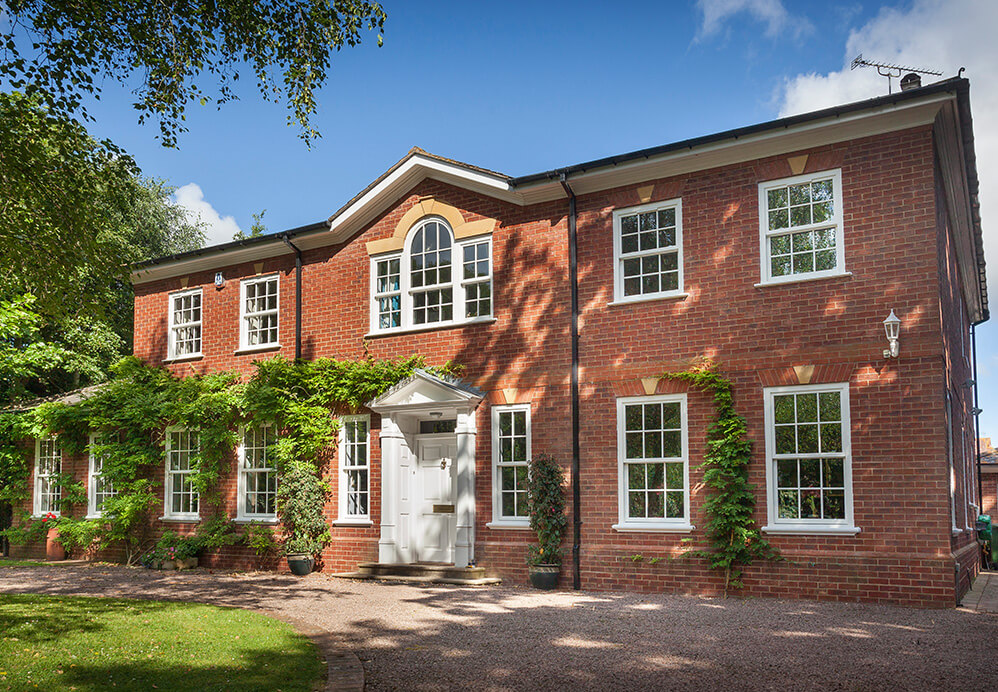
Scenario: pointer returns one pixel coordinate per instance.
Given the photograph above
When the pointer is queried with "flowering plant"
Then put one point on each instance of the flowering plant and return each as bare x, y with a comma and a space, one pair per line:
49, 516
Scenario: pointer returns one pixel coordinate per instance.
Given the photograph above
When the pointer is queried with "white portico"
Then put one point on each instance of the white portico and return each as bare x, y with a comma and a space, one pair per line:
427, 471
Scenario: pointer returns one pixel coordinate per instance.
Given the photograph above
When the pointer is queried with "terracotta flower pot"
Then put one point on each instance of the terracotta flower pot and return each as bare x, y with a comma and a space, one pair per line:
53, 549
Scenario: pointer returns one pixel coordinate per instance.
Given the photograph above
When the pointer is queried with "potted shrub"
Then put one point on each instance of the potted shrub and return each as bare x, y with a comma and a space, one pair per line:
53, 548
546, 505
301, 498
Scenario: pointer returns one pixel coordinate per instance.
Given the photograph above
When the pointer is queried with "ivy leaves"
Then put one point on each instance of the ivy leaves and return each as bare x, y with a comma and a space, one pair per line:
735, 541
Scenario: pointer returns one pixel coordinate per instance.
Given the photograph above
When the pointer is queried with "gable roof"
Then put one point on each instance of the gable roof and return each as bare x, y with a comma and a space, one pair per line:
424, 389
893, 112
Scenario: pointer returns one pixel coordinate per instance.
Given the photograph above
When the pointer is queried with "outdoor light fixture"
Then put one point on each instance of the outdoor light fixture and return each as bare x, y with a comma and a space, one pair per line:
892, 325
219, 280
436, 414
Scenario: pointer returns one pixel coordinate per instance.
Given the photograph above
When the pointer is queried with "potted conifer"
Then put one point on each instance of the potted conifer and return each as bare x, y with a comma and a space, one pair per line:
546, 505
301, 498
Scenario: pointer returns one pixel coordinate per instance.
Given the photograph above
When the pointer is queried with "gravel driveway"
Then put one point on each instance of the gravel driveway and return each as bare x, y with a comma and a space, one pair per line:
503, 638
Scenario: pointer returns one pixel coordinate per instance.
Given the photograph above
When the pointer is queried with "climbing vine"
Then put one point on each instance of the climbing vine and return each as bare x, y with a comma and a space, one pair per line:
128, 418
735, 540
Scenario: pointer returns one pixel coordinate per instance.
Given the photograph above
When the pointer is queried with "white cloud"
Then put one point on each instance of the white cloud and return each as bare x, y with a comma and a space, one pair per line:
771, 12
942, 35
218, 229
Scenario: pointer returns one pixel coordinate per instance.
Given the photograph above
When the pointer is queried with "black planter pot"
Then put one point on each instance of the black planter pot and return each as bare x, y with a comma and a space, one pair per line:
301, 565
544, 576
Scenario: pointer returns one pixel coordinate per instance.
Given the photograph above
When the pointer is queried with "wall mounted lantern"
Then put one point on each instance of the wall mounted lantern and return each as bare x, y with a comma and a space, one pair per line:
892, 326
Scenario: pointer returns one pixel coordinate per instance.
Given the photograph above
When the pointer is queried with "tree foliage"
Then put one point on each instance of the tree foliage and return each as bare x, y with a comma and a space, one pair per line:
74, 214
735, 540
63, 52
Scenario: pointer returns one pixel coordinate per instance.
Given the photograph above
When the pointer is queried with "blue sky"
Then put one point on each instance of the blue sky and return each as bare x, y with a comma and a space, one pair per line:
522, 87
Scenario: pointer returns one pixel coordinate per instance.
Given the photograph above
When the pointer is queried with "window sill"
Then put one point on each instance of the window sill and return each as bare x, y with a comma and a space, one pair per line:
182, 519
653, 528
94, 516
45, 514
646, 299
804, 530
517, 526
802, 279
184, 359
257, 349
359, 523
270, 521
429, 327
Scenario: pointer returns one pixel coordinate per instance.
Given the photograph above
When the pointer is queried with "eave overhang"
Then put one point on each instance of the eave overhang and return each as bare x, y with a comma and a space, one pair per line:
865, 118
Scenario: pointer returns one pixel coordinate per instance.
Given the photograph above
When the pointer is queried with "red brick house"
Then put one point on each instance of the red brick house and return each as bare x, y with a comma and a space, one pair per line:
776, 251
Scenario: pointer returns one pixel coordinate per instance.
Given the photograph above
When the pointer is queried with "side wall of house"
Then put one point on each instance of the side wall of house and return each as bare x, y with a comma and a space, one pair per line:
957, 402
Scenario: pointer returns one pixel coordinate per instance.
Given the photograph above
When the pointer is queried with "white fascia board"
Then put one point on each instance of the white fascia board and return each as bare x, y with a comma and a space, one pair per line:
806, 135
403, 179
210, 261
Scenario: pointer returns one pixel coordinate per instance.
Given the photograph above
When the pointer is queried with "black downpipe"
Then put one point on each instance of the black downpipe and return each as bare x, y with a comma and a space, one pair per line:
573, 280
977, 420
297, 295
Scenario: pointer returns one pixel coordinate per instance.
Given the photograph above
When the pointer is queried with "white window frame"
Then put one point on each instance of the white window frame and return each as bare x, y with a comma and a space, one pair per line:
344, 518
844, 527
243, 472
624, 523
168, 480
244, 317
619, 256
94, 477
199, 324
457, 284
44, 480
498, 520
837, 221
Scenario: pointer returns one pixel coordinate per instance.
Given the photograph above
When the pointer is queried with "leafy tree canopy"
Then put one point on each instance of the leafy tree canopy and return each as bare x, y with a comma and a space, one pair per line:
63, 51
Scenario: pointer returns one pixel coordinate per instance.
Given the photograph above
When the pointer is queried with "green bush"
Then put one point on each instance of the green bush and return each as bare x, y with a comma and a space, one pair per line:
546, 505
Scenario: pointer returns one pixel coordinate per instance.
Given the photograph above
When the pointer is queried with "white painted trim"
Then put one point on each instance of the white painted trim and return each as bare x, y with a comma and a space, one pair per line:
803, 279
244, 345
497, 518
808, 526
807, 530
258, 349
411, 169
37, 511
171, 341
643, 528
648, 299
92, 511
241, 514
344, 518
625, 523
838, 216
618, 265
515, 526
167, 514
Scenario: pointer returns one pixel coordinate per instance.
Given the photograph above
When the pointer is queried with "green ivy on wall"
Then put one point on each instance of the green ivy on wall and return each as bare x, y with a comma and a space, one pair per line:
734, 539
129, 416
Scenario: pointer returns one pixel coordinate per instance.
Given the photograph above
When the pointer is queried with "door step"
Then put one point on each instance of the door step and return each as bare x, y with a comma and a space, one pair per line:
421, 574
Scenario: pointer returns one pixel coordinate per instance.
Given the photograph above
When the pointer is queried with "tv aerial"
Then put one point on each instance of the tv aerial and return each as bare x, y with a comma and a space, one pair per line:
891, 70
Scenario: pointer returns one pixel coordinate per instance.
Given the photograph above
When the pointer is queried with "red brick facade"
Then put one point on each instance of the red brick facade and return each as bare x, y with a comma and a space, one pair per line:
909, 484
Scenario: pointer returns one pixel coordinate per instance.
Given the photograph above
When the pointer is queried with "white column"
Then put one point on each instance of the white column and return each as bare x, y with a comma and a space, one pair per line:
464, 544
391, 451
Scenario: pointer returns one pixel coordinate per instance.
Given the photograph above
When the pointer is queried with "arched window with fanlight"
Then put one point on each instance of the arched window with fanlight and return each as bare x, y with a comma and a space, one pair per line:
436, 279
431, 286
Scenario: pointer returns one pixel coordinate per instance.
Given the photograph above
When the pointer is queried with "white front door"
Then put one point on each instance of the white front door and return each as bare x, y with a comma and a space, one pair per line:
434, 520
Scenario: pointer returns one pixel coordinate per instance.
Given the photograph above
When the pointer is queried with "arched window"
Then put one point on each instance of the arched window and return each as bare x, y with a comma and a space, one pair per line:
431, 287
435, 279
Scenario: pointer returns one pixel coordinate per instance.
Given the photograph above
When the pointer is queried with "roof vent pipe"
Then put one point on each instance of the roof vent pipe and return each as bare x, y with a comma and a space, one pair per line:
910, 81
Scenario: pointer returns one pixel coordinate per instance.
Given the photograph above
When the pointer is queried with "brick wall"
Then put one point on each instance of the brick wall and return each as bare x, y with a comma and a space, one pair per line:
905, 551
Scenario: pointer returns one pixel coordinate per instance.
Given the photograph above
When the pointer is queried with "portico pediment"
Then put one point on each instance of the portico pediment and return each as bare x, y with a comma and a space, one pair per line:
424, 390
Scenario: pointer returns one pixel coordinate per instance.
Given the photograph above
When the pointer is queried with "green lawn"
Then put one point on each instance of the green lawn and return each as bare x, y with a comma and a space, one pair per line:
69, 643
11, 562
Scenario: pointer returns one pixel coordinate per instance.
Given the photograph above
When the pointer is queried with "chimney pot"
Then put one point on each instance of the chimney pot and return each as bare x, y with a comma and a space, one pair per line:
910, 81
